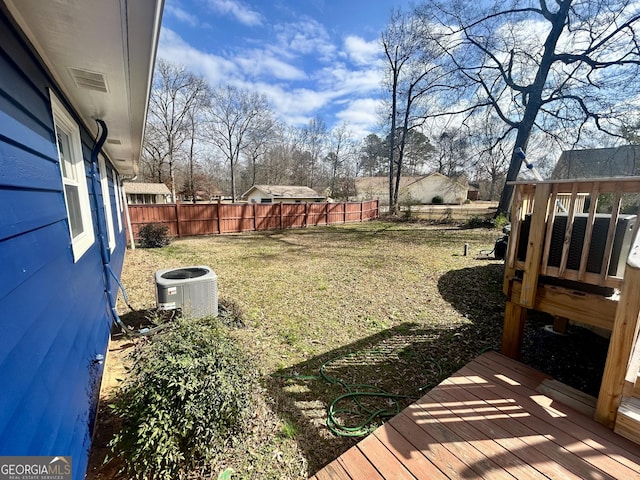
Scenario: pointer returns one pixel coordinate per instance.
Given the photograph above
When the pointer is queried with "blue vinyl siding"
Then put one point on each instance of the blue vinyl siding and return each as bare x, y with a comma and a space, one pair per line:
54, 315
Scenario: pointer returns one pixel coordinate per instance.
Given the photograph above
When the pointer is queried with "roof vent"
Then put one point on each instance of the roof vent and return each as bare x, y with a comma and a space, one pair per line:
89, 80
114, 141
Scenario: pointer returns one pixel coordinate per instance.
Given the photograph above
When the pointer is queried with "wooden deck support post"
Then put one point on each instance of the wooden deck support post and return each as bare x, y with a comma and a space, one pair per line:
513, 329
623, 339
534, 245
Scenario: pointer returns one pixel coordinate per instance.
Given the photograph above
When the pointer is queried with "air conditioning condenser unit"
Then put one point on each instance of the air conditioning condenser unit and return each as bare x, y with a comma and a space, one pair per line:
194, 290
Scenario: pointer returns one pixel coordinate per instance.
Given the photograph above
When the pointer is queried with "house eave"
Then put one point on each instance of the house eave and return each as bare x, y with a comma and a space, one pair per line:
111, 40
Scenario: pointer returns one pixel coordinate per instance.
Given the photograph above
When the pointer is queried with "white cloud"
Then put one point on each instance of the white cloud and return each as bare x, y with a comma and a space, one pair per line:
294, 106
346, 81
181, 14
214, 68
237, 10
258, 63
360, 51
304, 38
361, 115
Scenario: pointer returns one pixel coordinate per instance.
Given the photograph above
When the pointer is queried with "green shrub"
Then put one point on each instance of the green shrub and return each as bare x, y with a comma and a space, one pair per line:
437, 200
476, 221
187, 394
154, 235
500, 221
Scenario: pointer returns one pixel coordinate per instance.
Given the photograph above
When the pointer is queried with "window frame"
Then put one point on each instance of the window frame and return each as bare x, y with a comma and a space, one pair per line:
64, 123
118, 192
106, 202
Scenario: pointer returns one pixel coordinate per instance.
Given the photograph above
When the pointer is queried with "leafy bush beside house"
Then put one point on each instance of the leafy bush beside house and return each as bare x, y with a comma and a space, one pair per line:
188, 393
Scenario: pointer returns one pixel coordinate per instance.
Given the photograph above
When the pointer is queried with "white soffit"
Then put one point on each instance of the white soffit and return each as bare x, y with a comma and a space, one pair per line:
101, 53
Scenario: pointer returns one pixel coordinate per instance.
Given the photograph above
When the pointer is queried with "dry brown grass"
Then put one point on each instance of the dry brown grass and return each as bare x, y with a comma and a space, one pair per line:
398, 299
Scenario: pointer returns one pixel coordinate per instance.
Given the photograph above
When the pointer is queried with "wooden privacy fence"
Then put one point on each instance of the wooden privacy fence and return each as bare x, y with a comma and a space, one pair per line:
186, 219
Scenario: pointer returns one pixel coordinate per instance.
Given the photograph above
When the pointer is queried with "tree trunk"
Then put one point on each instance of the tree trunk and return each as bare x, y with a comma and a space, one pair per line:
525, 126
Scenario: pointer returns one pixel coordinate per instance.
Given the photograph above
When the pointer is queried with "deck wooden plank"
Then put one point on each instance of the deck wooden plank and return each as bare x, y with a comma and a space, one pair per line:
383, 460
447, 462
501, 364
476, 462
500, 420
577, 455
487, 421
591, 432
333, 471
419, 465
482, 435
358, 466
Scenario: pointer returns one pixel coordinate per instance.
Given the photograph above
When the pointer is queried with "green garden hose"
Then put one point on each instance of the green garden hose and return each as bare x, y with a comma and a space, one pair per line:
355, 394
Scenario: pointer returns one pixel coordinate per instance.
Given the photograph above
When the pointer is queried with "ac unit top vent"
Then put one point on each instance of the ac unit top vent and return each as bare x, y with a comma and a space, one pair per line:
185, 273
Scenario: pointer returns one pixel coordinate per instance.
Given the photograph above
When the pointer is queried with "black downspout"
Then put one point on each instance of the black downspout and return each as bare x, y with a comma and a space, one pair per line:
104, 243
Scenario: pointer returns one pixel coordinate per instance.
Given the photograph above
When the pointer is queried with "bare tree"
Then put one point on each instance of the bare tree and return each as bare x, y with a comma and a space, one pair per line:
338, 159
564, 66
490, 159
259, 139
451, 151
232, 115
411, 74
314, 138
176, 96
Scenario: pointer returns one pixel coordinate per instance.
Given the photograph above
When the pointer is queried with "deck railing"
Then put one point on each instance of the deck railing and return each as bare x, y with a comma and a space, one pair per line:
574, 252
535, 209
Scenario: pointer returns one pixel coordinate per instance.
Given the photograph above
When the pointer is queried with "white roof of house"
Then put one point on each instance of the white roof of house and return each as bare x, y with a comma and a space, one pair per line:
284, 191
146, 188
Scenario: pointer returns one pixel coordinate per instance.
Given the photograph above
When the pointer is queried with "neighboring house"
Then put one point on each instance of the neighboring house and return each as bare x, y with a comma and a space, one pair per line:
62, 242
281, 194
146, 193
473, 193
415, 190
598, 163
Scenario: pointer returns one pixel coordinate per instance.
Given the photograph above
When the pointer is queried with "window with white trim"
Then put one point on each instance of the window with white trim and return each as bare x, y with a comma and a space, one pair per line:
117, 191
106, 201
74, 179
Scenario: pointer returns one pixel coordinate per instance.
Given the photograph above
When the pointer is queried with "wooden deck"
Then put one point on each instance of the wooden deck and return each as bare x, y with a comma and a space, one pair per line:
488, 421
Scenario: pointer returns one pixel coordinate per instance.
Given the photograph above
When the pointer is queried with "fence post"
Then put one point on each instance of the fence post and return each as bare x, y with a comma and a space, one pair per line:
178, 217
255, 225
306, 214
218, 215
326, 212
280, 215
361, 210
344, 205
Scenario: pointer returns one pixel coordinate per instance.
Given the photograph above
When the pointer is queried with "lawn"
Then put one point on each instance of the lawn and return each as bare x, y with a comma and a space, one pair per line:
391, 305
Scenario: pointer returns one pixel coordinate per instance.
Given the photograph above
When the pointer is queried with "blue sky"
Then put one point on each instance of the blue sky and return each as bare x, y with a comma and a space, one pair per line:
309, 57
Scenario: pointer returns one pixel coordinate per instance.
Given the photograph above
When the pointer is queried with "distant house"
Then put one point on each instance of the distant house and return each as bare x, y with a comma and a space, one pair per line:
281, 194
598, 163
143, 193
416, 190
64, 64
